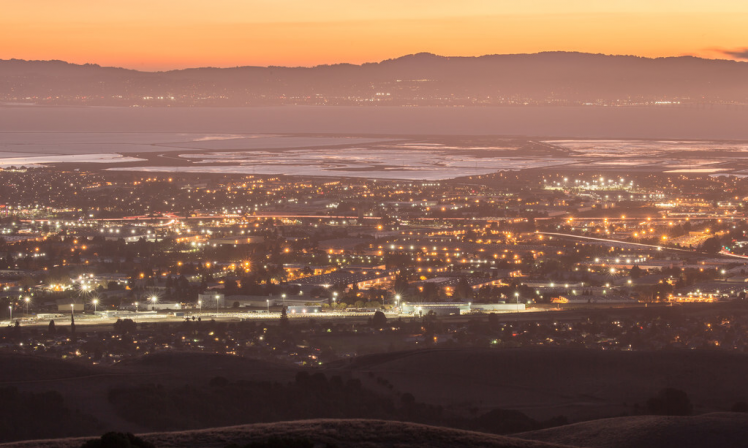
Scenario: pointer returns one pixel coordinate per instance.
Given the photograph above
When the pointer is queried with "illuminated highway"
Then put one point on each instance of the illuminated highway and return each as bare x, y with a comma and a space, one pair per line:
614, 242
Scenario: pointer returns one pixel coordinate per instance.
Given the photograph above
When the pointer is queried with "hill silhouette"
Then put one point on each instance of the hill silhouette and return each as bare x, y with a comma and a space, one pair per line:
424, 78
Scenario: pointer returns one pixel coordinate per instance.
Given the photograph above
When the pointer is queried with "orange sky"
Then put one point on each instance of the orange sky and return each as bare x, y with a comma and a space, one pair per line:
164, 34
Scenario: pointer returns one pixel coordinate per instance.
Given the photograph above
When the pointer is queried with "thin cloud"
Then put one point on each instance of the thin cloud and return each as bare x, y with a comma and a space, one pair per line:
736, 54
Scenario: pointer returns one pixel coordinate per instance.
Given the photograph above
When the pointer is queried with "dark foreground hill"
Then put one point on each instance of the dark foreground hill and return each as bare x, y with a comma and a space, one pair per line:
190, 366
544, 383
26, 368
501, 391
724, 430
47, 397
338, 433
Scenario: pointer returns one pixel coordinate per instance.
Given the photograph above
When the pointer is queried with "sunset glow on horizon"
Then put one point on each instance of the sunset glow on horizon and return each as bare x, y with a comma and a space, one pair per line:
169, 34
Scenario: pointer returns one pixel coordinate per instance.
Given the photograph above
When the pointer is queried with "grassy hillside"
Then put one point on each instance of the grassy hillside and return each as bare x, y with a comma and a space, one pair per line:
723, 430
340, 433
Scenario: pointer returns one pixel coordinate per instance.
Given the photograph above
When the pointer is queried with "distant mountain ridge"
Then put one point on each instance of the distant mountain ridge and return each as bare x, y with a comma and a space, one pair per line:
417, 79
